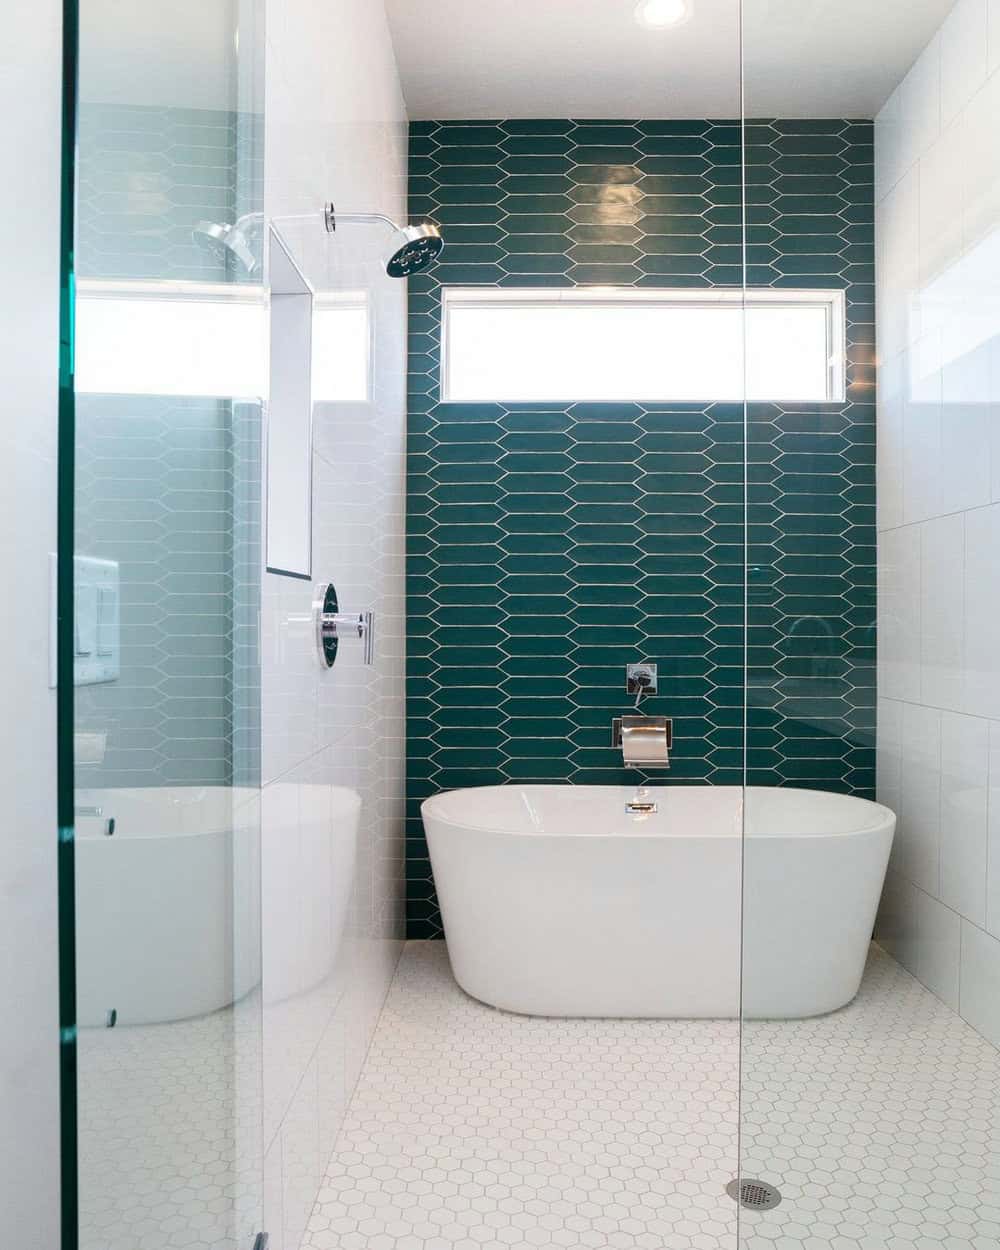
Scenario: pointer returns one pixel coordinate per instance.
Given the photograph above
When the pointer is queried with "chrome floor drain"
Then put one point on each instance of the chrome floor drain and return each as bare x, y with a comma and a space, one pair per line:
754, 1195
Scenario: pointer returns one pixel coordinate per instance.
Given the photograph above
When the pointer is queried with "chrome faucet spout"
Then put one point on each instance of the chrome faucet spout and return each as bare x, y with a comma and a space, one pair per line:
641, 804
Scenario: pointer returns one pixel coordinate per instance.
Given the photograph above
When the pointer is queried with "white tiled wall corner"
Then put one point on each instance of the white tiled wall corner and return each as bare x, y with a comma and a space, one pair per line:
889, 155
333, 739
899, 603
937, 173
889, 441
910, 119
920, 102
993, 833
896, 923
897, 239
940, 772
963, 55
980, 981
889, 752
916, 851
941, 171
920, 454
964, 800
965, 430
981, 174
981, 694
936, 947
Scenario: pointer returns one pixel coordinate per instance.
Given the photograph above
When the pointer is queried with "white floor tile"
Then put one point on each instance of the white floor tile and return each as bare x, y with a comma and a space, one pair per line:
471, 1128
170, 1153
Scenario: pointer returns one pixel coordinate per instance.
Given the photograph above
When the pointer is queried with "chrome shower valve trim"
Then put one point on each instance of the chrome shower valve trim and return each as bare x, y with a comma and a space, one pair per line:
333, 626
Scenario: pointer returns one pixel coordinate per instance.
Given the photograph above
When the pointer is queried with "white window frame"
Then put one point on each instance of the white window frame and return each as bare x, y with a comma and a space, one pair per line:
831, 300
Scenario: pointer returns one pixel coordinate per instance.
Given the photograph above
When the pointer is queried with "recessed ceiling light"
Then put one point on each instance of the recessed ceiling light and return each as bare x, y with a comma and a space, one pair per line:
659, 14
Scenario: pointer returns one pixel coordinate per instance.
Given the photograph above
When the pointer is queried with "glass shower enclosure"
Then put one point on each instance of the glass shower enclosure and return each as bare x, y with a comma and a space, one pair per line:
805, 547
165, 559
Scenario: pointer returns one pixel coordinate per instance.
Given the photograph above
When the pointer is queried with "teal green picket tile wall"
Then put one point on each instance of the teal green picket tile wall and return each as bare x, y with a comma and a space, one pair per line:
549, 546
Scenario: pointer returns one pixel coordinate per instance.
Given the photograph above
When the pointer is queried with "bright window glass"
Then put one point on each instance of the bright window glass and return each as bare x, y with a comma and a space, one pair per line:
633, 345
162, 338
188, 338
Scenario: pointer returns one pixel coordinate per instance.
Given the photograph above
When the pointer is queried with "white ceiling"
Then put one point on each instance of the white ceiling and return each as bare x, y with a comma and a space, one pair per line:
590, 58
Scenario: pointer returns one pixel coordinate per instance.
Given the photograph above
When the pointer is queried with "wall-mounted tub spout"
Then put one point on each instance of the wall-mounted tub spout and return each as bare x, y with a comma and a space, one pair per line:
642, 804
644, 741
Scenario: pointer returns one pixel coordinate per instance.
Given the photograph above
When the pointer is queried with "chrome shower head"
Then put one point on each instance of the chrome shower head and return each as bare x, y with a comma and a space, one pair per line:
227, 240
413, 247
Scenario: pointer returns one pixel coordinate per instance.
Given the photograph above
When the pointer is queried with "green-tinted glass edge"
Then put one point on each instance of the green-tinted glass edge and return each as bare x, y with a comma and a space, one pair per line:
64, 640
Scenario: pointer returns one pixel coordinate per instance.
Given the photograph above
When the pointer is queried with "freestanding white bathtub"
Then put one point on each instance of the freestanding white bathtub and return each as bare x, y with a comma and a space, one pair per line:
557, 901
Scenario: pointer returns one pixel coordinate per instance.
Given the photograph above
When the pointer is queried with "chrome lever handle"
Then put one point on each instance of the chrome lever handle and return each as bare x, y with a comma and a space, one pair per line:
336, 625
332, 626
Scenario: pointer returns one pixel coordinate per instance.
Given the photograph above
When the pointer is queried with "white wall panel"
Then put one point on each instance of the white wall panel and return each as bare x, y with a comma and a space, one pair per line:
333, 739
30, 134
937, 174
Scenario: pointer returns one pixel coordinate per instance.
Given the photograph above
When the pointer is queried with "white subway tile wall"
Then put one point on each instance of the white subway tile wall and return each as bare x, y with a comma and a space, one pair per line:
332, 740
937, 175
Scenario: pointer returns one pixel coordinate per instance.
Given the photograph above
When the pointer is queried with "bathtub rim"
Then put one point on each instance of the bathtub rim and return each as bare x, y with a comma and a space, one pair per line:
882, 817
214, 810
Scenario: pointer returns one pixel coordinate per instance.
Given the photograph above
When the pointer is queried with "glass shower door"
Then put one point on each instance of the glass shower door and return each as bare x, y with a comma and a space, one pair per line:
871, 1069
562, 529
166, 571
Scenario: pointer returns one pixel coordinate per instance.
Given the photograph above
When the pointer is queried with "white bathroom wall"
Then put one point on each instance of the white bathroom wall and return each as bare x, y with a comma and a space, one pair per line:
937, 171
30, 127
333, 740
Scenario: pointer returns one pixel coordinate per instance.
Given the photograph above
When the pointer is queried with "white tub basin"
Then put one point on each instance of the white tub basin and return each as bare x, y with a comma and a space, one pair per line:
557, 901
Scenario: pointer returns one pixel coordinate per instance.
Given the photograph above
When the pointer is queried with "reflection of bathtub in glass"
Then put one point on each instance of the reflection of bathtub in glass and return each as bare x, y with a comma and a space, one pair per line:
309, 848
167, 907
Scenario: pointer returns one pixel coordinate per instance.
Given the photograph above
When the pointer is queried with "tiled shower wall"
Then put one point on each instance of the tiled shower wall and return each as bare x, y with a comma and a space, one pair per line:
166, 486
147, 175
154, 493
938, 188
549, 546
332, 739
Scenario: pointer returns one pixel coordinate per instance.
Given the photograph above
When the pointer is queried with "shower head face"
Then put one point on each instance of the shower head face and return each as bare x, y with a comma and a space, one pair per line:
413, 249
226, 241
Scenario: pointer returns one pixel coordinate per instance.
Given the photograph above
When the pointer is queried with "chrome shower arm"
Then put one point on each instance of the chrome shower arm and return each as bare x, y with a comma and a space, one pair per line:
361, 219
331, 217
414, 247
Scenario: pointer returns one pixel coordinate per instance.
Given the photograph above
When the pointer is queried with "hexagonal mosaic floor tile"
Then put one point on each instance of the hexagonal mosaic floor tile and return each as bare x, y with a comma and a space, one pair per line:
471, 1128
